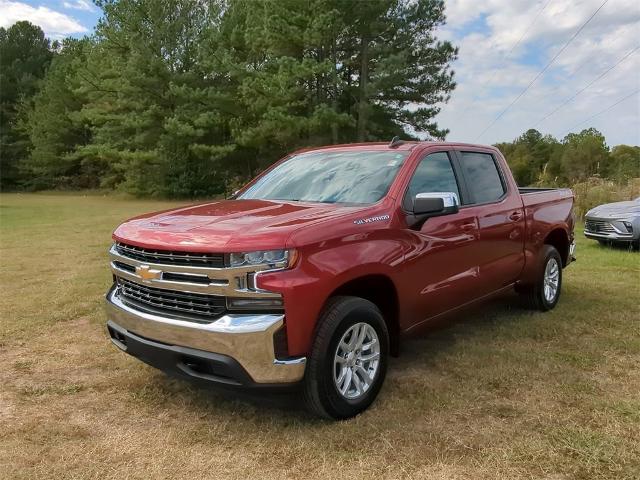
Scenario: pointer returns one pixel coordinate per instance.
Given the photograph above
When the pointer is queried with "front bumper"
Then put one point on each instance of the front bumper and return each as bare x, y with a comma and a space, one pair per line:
611, 229
611, 237
235, 350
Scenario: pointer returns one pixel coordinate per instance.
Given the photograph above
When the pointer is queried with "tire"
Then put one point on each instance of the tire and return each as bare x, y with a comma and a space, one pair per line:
342, 318
535, 296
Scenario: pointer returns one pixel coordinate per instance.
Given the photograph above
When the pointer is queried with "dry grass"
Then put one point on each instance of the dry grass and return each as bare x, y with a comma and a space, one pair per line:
501, 393
596, 191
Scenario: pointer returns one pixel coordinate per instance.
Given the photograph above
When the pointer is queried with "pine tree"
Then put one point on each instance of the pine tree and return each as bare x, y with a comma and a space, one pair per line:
402, 70
24, 57
156, 114
283, 58
56, 128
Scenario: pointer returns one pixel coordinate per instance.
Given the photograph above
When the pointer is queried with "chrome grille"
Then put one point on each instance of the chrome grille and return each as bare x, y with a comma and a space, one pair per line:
210, 260
598, 226
201, 306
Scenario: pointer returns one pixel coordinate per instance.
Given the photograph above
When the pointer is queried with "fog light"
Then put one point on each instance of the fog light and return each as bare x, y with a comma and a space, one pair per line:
252, 303
628, 226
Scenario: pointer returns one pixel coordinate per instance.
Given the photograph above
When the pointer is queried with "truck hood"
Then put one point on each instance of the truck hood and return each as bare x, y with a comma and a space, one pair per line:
616, 210
226, 226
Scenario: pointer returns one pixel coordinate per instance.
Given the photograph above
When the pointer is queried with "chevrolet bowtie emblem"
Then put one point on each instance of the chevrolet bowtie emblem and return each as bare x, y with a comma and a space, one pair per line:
147, 273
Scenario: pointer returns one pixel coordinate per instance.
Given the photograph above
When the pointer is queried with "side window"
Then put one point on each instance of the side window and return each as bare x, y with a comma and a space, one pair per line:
434, 174
482, 176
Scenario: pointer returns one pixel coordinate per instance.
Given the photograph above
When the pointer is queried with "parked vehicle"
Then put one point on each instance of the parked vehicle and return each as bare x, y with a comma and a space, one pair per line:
617, 222
314, 272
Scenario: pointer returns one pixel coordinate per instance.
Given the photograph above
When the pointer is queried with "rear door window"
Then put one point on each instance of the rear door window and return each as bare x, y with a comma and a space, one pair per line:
482, 177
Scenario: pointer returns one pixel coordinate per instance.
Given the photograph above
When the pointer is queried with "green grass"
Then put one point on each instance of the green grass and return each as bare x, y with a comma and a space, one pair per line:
500, 392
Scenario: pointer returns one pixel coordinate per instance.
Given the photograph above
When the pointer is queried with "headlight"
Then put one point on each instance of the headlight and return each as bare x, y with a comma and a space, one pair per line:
272, 258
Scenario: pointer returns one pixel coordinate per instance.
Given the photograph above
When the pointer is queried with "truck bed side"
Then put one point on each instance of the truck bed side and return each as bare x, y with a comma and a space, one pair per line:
549, 220
537, 194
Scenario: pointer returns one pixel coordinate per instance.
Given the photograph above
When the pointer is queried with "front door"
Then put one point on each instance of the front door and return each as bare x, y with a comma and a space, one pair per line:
441, 266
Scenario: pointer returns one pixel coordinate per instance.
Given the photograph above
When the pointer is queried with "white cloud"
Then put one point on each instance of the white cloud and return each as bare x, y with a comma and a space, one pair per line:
54, 24
489, 78
85, 5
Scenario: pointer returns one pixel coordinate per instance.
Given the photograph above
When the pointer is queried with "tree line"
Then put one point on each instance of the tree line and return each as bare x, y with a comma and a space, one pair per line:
190, 98
543, 160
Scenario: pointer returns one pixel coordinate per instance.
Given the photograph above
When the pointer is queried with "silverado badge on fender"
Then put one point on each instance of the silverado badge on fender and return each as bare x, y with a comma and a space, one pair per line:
379, 218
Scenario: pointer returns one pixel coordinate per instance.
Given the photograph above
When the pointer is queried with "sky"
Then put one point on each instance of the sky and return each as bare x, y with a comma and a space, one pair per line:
522, 64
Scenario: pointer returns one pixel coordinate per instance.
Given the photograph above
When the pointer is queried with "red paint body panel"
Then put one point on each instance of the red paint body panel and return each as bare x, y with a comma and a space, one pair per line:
450, 261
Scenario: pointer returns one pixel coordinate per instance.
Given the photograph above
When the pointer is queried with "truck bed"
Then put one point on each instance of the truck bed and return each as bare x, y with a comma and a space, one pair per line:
533, 196
528, 190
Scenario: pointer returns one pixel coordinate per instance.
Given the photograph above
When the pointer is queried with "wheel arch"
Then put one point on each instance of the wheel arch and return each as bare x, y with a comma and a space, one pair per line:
559, 239
380, 290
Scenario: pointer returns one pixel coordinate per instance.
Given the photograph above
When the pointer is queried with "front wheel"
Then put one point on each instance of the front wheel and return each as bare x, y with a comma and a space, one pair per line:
348, 361
545, 292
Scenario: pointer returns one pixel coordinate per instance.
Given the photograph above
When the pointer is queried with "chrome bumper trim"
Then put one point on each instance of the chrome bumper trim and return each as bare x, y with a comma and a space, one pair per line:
608, 236
248, 338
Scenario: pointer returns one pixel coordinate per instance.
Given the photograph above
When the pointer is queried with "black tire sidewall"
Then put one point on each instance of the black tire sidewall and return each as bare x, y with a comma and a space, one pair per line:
550, 252
353, 311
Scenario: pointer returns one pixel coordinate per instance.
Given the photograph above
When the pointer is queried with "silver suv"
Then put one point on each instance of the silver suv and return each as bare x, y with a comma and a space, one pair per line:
614, 223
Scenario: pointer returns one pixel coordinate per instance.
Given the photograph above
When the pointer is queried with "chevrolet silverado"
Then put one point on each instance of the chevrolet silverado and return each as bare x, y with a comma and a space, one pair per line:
312, 274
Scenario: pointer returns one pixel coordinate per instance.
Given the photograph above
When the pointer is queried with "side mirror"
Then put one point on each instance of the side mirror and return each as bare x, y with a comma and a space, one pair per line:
437, 203
427, 205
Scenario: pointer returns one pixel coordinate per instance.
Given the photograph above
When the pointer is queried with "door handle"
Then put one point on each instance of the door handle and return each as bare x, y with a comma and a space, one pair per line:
515, 216
468, 226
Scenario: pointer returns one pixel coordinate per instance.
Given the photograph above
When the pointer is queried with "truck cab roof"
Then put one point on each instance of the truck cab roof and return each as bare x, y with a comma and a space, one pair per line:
404, 145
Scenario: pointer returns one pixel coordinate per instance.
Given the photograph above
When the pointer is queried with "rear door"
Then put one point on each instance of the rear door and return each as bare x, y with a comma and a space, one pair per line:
497, 205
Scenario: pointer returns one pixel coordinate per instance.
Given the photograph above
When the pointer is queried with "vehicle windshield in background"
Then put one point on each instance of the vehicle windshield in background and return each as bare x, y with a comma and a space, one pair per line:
330, 177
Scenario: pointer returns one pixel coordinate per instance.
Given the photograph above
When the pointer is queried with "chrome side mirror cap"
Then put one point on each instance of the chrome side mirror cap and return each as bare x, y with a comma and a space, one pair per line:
432, 204
438, 203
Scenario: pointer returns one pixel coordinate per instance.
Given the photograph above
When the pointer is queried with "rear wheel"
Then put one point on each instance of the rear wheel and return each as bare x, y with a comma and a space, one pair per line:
348, 361
545, 292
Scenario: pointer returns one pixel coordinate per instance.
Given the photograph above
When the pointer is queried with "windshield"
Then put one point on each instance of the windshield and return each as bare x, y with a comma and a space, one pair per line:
330, 177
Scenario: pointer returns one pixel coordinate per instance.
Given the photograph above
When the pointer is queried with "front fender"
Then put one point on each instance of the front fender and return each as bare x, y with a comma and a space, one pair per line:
321, 269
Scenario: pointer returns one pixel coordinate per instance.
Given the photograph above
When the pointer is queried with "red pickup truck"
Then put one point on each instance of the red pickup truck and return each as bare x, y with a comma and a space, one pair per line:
312, 274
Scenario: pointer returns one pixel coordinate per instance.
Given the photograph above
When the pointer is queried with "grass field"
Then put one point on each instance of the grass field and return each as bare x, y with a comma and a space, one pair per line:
501, 393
